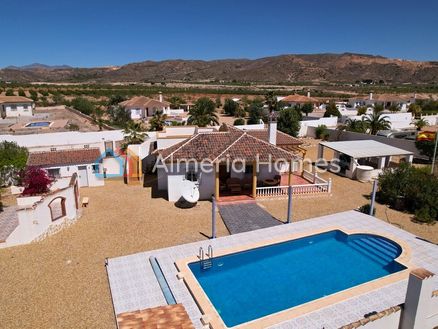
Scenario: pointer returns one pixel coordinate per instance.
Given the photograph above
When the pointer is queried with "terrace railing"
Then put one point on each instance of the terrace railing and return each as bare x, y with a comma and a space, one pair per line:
305, 189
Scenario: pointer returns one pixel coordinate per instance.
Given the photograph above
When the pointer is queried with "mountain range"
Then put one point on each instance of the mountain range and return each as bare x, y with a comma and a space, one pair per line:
346, 67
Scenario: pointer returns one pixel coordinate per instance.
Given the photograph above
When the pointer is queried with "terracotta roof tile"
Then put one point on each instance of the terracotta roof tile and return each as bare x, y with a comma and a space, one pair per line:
143, 102
217, 146
295, 98
63, 158
162, 317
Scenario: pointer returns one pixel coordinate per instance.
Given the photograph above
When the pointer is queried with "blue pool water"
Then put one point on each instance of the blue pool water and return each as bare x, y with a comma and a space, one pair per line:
38, 124
248, 285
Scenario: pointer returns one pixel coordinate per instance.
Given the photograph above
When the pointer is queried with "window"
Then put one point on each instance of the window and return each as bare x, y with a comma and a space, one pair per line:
95, 168
52, 149
109, 150
54, 172
86, 146
57, 208
13, 107
248, 169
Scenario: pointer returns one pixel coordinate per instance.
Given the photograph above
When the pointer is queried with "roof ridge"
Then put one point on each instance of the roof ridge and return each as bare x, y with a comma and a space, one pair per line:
229, 146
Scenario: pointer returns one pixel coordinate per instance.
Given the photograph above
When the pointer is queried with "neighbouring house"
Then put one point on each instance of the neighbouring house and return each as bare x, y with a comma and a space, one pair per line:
295, 99
361, 159
36, 216
16, 106
142, 107
86, 163
108, 143
233, 162
402, 102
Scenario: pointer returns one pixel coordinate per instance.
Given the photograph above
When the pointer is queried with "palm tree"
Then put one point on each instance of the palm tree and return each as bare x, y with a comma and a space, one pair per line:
378, 108
133, 134
203, 113
175, 102
420, 123
358, 126
376, 121
97, 116
415, 109
157, 121
271, 101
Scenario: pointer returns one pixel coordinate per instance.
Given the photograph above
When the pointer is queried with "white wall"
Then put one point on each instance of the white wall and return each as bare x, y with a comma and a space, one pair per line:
304, 125
432, 119
398, 120
35, 221
163, 143
21, 110
93, 179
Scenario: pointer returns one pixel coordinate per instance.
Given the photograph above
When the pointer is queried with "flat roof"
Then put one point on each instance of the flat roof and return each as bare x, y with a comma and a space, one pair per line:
365, 148
63, 138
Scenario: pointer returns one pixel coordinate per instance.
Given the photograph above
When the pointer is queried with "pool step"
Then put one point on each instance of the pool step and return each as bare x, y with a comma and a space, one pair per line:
379, 249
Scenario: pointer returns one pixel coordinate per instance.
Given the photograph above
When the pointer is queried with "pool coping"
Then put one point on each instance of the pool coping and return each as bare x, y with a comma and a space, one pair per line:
213, 319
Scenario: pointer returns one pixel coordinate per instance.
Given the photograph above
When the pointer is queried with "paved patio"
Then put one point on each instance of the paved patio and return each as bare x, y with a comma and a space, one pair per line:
8, 222
134, 287
255, 217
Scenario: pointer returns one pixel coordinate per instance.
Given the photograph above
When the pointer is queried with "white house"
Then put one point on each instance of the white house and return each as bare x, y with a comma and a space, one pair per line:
85, 163
387, 100
36, 216
142, 107
295, 99
234, 162
16, 106
108, 142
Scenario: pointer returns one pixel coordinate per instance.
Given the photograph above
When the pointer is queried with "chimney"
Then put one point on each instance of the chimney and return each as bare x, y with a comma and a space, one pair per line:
371, 96
308, 94
272, 131
160, 96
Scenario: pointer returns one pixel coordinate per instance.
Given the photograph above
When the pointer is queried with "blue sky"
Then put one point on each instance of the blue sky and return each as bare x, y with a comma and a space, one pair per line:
115, 32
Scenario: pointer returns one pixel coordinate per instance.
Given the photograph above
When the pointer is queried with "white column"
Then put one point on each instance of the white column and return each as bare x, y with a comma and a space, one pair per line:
409, 158
381, 163
320, 151
418, 303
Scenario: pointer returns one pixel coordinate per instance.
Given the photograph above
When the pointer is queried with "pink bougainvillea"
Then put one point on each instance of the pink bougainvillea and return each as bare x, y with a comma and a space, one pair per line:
36, 181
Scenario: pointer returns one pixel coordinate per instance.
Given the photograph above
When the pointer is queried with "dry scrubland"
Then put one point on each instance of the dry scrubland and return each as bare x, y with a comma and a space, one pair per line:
61, 282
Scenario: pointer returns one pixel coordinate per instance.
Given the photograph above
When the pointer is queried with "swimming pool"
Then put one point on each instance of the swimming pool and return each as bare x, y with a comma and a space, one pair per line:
38, 124
255, 283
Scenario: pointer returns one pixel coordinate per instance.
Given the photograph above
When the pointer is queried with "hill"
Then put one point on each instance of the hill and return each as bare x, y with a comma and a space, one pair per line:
345, 67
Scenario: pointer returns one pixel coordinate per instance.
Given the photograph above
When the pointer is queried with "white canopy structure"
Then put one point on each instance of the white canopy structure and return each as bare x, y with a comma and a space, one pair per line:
351, 154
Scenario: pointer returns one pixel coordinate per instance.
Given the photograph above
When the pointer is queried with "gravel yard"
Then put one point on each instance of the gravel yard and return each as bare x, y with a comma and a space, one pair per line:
61, 282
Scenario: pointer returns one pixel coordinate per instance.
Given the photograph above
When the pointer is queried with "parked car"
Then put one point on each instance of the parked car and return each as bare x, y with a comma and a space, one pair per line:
405, 134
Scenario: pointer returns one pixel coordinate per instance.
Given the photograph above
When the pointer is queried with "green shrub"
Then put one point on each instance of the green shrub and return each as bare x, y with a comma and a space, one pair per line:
239, 122
366, 209
322, 132
83, 105
411, 189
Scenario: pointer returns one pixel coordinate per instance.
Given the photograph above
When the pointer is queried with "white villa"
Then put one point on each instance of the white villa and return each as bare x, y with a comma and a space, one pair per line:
254, 154
142, 107
16, 106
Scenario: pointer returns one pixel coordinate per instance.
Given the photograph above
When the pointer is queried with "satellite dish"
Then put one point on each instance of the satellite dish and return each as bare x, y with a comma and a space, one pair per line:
190, 191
